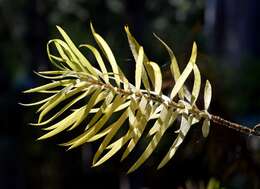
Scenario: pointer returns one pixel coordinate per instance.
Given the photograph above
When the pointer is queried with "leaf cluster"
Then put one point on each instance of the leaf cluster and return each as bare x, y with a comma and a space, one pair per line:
95, 94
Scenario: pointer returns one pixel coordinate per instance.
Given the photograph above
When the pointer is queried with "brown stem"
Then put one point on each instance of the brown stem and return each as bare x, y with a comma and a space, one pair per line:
240, 128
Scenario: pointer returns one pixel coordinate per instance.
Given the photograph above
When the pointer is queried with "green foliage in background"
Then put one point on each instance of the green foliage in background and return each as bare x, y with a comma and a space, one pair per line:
97, 93
212, 184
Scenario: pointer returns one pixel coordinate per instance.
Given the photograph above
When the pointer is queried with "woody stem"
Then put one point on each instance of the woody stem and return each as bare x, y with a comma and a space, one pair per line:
240, 128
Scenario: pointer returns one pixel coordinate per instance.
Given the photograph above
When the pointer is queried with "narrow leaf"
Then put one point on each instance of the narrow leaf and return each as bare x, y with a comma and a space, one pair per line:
49, 86
137, 129
66, 107
99, 61
180, 82
108, 53
62, 125
207, 95
138, 68
206, 128
154, 142
113, 149
87, 108
134, 46
174, 65
157, 78
75, 50
196, 85
98, 126
114, 128
184, 128
55, 101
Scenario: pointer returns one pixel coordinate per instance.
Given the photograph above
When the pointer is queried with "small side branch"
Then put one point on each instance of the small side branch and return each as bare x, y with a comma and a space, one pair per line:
240, 128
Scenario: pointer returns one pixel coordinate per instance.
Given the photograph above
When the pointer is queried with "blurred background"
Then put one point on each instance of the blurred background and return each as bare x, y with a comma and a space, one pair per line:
227, 34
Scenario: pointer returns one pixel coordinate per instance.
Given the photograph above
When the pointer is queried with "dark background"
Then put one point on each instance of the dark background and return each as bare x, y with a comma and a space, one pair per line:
227, 34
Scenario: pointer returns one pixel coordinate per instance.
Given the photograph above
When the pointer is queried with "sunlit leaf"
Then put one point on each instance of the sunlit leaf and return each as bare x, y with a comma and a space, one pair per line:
37, 103
206, 127
134, 46
138, 69
49, 86
57, 100
99, 61
174, 65
157, 77
179, 83
83, 96
109, 54
74, 49
207, 95
87, 108
114, 128
184, 128
113, 149
164, 124
66, 107
62, 125
138, 126
196, 85
98, 126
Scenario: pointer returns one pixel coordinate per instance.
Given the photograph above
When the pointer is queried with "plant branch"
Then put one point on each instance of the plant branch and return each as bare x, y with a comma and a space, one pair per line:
238, 127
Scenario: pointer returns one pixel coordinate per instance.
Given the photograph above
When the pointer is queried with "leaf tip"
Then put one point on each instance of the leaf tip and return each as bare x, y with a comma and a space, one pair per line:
195, 47
92, 28
41, 138
130, 171
126, 27
193, 53
59, 28
160, 166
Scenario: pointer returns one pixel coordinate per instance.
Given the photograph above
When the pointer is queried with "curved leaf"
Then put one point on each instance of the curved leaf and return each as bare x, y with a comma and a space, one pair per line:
82, 59
206, 128
138, 68
196, 85
174, 65
109, 54
207, 95
180, 82
95, 95
184, 128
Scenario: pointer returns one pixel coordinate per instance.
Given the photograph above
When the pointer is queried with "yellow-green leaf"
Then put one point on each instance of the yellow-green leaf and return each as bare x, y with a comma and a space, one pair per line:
134, 46
207, 95
205, 127
184, 128
174, 65
87, 108
101, 110
138, 68
108, 53
62, 125
137, 129
38, 102
50, 86
154, 142
67, 55
186, 72
98, 126
99, 61
82, 59
196, 85
114, 128
63, 95
113, 149
180, 82
157, 77
162, 116
66, 107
